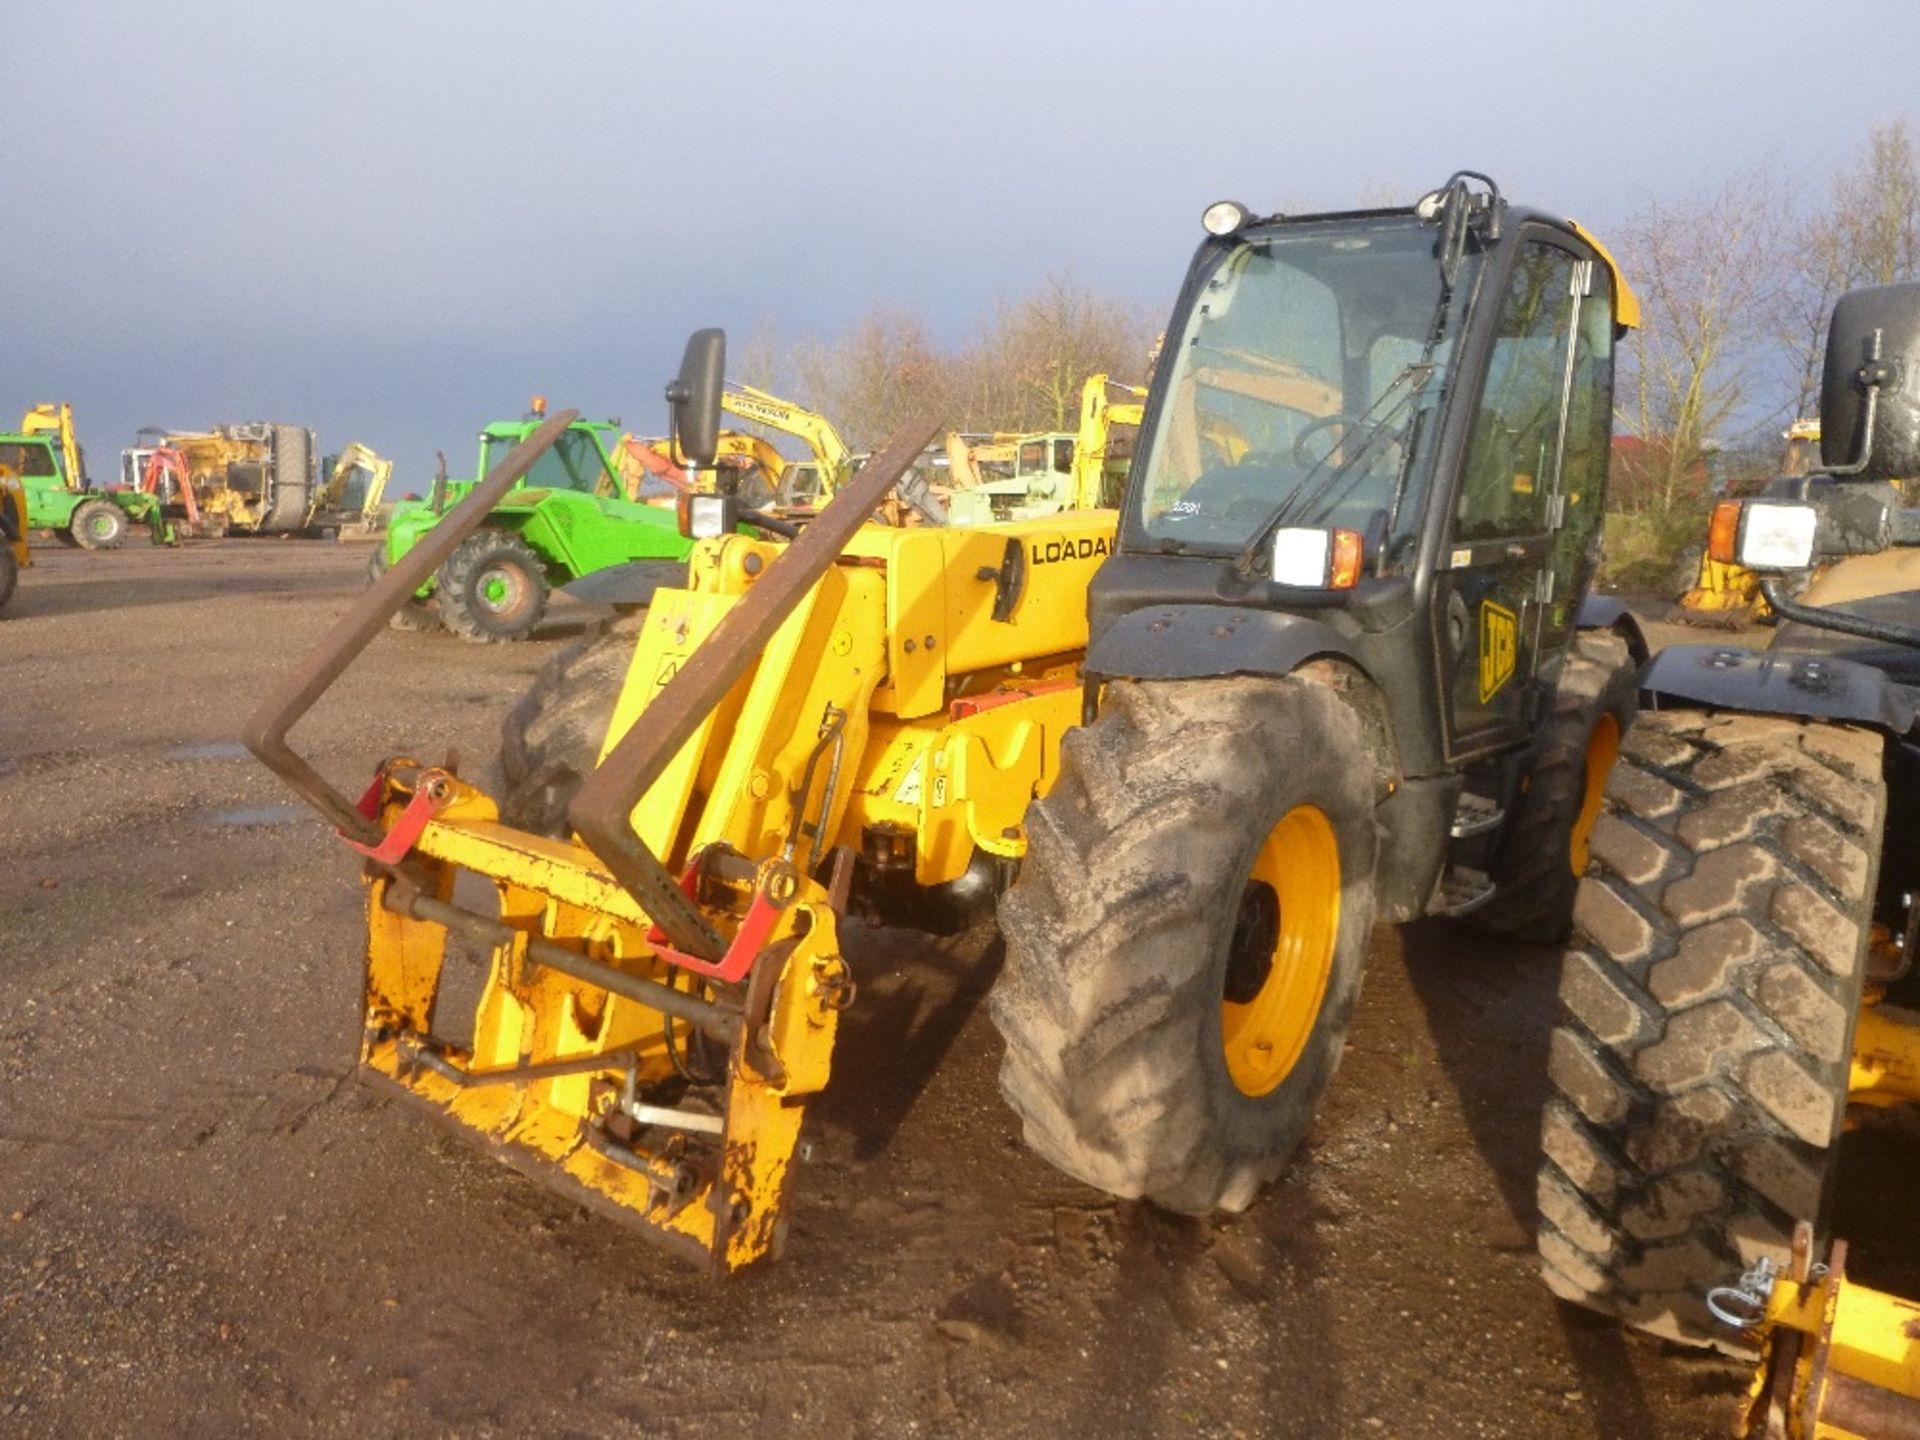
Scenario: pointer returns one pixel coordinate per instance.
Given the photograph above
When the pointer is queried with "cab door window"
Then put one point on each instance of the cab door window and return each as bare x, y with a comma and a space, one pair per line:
1513, 449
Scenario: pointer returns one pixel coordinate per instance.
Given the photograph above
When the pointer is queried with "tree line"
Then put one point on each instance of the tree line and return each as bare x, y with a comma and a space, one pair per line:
1736, 282
1736, 285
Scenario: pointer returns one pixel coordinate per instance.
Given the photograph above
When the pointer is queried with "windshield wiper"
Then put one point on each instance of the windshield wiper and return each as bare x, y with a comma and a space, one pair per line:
1305, 495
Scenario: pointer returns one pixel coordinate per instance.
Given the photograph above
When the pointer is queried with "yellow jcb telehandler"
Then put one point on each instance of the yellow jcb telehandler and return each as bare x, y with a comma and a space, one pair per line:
1337, 662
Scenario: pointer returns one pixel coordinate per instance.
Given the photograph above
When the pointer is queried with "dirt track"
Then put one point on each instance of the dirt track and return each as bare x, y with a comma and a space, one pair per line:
208, 1228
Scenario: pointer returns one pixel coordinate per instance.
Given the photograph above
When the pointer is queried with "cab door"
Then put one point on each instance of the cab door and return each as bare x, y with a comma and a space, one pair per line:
1496, 583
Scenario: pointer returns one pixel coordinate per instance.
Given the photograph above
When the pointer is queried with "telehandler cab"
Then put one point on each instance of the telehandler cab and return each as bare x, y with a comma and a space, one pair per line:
1341, 667
1742, 985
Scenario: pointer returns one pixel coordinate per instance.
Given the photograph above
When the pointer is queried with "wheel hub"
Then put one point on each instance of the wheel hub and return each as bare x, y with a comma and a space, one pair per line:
1280, 955
1250, 953
499, 591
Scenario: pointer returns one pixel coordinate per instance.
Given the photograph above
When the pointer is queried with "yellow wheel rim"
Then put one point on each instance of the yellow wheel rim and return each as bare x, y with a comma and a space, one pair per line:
1603, 748
1282, 951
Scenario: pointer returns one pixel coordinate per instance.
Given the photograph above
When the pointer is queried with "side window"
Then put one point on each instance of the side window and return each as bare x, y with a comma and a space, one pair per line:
1515, 440
1063, 456
1583, 466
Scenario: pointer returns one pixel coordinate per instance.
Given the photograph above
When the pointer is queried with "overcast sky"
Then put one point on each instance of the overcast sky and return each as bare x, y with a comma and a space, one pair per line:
393, 221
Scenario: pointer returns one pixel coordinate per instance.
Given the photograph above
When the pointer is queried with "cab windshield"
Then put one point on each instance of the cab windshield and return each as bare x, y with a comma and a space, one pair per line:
574, 463
1307, 364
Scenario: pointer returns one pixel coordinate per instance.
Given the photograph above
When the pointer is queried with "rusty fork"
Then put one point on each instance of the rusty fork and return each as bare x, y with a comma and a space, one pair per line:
265, 732
601, 812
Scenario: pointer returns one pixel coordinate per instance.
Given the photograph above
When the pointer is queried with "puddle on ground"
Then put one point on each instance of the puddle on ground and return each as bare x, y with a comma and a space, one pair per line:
209, 750
250, 815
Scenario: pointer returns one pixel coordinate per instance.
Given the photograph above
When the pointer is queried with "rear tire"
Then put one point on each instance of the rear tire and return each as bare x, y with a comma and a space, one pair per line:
98, 525
417, 617
9, 573
492, 588
550, 740
1130, 921
1544, 851
1699, 1070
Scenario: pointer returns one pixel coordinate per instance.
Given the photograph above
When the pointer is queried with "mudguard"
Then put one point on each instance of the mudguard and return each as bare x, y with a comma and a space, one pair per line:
1193, 642
630, 584
1604, 612
1824, 687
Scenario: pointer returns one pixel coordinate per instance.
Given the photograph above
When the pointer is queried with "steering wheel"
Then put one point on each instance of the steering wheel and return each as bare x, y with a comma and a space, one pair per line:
1325, 422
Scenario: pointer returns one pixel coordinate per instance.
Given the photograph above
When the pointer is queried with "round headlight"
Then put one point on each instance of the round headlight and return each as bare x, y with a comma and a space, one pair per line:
1224, 218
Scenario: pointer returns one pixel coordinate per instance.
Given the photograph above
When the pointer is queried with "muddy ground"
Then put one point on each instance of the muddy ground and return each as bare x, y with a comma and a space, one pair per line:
209, 1228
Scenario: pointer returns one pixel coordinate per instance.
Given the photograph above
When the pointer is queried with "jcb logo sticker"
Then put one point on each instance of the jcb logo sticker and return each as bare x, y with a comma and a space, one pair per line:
1499, 643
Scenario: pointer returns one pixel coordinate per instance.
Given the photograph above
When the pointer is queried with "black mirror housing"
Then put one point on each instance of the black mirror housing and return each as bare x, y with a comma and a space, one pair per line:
1874, 337
693, 399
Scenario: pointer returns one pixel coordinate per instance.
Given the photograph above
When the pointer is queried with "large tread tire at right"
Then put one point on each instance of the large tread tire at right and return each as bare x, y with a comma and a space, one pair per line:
293, 480
416, 617
9, 573
1118, 927
550, 740
1533, 874
1699, 1070
97, 525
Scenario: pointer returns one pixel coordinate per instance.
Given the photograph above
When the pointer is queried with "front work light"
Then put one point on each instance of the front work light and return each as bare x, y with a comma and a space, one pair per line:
703, 517
1224, 218
1319, 559
1763, 534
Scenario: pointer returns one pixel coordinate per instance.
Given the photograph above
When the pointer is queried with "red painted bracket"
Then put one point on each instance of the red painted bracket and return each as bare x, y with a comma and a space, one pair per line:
405, 832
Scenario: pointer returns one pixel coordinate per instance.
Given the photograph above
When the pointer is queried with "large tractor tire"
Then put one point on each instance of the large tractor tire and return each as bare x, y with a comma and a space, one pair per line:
293, 480
1699, 1069
417, 617
1544, 850
98, 525
1185, 941
492, 588
9, 573
550, 739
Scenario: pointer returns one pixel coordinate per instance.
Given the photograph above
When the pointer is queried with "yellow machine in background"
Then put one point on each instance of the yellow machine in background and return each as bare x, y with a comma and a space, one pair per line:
257, 477
1017, 477
351, 504
57, 420
14, 555
1724, 593
832, 461
857, 718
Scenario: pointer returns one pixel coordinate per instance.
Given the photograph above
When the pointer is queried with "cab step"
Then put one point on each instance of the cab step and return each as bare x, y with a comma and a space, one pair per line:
1476, 815
1462, 891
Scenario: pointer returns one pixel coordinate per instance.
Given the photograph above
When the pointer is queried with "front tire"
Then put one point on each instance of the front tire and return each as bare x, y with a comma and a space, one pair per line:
1700, 1066
550, 740
98, 525
492, 588
1185, 941
1544, 851
9, 572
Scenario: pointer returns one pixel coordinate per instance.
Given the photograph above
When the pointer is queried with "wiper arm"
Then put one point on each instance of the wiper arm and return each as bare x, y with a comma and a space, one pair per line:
1300, 498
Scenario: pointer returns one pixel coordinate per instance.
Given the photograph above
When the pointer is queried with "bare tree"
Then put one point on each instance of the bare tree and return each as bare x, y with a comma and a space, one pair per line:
1707, 287
1868, 234
1043, 347
872, 377
1022, 371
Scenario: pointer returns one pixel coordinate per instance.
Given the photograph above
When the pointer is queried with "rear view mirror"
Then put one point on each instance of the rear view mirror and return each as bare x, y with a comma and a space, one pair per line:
693, 397
1873, 353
